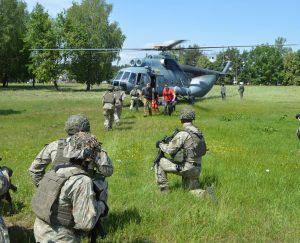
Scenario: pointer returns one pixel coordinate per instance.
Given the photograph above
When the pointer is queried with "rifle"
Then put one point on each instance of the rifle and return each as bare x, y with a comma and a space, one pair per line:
12, 187
160, 153
98, 229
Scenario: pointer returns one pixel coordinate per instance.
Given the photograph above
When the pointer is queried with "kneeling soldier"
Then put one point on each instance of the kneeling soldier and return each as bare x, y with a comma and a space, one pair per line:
186, 150
65, 203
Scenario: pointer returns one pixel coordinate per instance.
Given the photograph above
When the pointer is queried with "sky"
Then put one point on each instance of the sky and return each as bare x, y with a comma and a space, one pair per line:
201, 22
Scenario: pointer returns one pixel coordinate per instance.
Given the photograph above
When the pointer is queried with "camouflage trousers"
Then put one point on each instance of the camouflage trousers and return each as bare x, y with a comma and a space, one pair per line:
117, 114
147, 107
189, 173
45, 233
134, 102
4, 238
108, 118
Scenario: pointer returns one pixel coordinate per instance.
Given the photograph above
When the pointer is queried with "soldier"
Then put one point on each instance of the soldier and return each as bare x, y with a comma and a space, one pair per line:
186, 150
108, 102
298, 130
119, 97
4, 187
135, 95
241, 90
65, 202
53, 152
223, 91
147, 92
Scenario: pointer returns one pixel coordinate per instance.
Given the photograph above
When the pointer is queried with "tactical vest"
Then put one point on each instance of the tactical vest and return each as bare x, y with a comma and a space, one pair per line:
109, 98
147, 92
45, 200
59, 158
193, 147
134, 93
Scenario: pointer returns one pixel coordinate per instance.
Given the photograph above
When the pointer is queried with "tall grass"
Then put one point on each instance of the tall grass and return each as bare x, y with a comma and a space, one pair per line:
253, 162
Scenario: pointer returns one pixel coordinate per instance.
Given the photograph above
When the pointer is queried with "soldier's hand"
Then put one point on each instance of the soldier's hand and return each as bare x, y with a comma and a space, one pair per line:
157, 144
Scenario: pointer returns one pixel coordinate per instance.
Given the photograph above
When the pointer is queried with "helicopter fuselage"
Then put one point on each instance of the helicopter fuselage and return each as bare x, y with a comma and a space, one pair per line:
160, 70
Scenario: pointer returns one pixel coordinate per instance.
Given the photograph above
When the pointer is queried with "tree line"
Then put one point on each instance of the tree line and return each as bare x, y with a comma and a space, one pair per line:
265, 64
87, 25
83, 25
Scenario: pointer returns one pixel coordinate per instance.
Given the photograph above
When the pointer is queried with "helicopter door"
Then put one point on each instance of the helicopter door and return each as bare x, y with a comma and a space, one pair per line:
142, 79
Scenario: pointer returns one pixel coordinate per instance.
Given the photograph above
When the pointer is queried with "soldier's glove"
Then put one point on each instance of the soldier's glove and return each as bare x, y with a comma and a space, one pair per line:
157, 144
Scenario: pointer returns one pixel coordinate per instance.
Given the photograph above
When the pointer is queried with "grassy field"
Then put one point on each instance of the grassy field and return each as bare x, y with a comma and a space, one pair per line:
253, 162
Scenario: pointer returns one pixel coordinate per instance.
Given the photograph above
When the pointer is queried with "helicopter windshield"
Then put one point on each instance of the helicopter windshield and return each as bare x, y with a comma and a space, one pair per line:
119, 75
126, 76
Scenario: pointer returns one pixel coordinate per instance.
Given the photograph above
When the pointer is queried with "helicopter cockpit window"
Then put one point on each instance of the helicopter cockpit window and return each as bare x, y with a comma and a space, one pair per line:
126, 76
132, 78
119, 75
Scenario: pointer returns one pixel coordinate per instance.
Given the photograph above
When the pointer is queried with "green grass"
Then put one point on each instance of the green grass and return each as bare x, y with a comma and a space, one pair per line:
245, 139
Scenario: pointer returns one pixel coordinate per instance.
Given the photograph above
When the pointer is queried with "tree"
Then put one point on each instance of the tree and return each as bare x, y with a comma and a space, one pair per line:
12, 27
291, 64
42, 33
86, 25
265, 65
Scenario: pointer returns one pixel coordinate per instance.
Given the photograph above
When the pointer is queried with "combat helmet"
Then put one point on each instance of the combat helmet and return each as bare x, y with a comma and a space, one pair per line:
82, 146
187, 114
77, 123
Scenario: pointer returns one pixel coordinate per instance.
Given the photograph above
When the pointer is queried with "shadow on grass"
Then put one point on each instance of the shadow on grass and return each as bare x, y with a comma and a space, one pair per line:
127, 122
10, 112
118, 220
209, 180
123, 128
141, 240
206, 181
20, 234
8, 209
129, 117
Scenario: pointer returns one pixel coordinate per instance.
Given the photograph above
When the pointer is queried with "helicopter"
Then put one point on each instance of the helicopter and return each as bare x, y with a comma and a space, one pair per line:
159, 70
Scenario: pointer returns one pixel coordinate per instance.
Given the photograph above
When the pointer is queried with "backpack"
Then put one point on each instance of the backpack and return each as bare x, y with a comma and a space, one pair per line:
198, 142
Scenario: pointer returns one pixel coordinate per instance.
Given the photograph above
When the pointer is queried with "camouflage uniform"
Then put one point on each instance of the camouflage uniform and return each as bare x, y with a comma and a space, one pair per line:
189, 168
223, 91
76, 193
147, 92
119, 97
4, 186
135, 95
49, 154
108, 102
241, 90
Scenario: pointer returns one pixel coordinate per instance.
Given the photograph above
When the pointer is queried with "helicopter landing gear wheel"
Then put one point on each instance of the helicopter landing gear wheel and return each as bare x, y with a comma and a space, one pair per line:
191, 100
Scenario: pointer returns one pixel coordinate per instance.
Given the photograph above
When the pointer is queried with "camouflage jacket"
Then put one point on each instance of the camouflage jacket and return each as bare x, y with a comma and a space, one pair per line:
179, 142
77, 191
47, 155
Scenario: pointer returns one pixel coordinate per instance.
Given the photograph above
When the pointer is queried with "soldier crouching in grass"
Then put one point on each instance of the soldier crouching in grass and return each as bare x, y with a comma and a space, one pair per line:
186, 150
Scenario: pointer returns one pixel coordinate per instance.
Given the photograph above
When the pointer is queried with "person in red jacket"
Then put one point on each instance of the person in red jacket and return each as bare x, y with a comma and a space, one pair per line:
168, 98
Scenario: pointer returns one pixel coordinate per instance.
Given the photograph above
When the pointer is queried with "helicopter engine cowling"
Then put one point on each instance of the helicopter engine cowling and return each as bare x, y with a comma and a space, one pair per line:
138, 62
132, 62
201, 85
